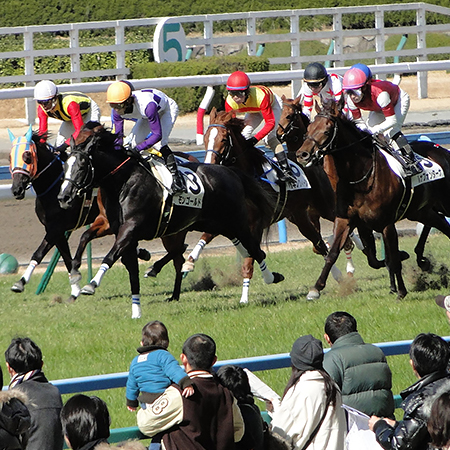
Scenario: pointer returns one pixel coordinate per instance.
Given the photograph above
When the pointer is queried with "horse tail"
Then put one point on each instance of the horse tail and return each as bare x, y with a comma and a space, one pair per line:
260, 203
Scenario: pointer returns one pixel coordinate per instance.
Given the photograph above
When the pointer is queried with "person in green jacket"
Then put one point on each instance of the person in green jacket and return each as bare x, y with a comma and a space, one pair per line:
359, 369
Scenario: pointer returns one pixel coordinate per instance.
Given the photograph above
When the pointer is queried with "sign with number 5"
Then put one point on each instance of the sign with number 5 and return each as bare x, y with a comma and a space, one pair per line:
169, 41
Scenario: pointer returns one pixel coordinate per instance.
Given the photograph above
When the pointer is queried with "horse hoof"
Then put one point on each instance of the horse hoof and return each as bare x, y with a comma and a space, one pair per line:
171, 299
350, 274
18, 287
424, 264
89, 289
135, 311
313, 294
71, 299
277, 277
188, 266
244, 301
150, 273
144, 254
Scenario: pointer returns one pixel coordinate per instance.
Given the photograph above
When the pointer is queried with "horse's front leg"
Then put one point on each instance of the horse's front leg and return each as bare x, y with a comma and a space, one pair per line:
393, 261
35, 260
340, 235
422, 262
130, 261
247, 275
189, 264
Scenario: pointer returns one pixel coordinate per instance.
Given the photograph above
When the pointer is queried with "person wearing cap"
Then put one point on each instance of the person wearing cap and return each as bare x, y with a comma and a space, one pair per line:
387, 104
319, 85
154, 114
310, 412
74, 109
429, 357
260, 104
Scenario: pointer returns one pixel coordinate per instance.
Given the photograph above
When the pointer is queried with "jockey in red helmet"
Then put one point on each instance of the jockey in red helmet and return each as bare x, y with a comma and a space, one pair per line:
259, 104
388, 106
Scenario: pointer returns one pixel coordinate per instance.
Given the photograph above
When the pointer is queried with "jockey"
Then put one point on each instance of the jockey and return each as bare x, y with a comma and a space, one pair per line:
73, 108
154, 114
317, 83
388, 106
260, 104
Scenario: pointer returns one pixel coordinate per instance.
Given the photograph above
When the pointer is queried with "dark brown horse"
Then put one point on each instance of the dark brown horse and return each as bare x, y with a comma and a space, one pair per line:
225, 145
138, 207
370, 194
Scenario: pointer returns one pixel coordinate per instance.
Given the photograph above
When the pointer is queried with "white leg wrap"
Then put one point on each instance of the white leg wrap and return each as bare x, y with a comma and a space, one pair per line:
350, 266
266, 273
245, 288
75, 288
29, 271
357, 241
136, 306
240, 248
197, 249
99, 275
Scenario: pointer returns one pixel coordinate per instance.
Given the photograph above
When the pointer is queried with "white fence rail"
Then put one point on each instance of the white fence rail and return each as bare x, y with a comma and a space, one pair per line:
212, 40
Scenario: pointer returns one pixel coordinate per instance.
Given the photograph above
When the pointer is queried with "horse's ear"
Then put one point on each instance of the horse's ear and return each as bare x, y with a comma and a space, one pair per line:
341, 103
29, 133
317, 107
212, 115
297, 100
11, 135
72, 143
283, 97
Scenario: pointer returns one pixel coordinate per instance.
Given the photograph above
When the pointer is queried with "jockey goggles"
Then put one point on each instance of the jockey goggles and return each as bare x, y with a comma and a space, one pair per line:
314, 84
237, 93
355, 92
45, 102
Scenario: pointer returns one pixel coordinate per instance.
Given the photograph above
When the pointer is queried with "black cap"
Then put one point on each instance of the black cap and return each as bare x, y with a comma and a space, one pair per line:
307, 353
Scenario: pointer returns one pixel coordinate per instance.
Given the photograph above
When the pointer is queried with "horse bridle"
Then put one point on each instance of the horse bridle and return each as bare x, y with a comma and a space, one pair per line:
88, 180
225, 156
291, 126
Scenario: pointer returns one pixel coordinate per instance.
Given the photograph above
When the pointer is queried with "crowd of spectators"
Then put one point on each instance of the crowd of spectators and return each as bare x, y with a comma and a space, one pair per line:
218, 411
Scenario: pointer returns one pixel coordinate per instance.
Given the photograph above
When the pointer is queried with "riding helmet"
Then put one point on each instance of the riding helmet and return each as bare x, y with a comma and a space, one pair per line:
356, 77
118, 92
238, 81
315, 73
45, 90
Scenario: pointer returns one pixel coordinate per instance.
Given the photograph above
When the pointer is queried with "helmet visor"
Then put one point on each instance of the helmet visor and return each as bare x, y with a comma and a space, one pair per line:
48, 104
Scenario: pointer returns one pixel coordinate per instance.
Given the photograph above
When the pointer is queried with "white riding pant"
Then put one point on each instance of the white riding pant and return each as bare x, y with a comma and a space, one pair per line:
401, 109
141, 129
252, 120
67, 129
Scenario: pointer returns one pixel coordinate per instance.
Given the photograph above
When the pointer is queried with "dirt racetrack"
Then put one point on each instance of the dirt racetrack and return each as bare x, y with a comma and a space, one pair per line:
21, 233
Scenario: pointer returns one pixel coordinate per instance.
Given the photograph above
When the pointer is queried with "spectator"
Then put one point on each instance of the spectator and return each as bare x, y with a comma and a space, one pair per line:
439, 422
74, 109
429, 356
14, 419
85, 421
236, 380
210, 419
310, 411
444, 302
359, 369
24, 362
155, 369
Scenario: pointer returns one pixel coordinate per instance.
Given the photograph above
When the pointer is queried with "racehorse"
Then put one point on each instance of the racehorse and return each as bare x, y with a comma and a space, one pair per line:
225, 145
139, 207
370, 193
33, 163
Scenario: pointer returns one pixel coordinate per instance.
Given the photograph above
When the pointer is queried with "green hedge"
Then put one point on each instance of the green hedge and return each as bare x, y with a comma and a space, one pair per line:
188, 98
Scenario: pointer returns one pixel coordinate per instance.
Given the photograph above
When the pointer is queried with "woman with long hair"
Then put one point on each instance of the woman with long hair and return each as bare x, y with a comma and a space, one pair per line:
310, 414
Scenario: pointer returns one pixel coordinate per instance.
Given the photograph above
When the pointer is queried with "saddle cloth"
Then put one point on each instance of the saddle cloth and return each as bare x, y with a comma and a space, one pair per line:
270, 174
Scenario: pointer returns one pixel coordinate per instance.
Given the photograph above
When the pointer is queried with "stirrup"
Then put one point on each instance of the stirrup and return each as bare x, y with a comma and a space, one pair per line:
178, 183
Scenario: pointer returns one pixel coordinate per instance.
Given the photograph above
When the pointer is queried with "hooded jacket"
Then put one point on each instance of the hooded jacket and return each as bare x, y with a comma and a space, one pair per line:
15, 420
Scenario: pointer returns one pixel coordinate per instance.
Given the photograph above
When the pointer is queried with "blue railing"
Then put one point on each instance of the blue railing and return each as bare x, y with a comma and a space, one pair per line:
255, 364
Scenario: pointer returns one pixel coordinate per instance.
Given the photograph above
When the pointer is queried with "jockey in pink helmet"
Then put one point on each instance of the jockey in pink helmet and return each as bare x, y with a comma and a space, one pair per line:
388, 106
259, 104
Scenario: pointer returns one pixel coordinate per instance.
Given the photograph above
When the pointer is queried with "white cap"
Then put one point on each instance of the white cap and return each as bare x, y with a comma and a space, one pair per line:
45, 90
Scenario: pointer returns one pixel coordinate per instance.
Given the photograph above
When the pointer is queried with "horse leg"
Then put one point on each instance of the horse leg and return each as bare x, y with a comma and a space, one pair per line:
130, 261
189, 264
341, 233
247, 274
422, 262
393, 261
369, 248
35, 260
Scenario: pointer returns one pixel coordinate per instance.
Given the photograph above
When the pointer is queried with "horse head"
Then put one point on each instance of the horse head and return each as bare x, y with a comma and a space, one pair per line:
78, 169
23, 163
320, 135
292, 124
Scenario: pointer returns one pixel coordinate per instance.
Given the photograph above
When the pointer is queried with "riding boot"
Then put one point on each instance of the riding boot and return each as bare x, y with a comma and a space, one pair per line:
178, 184
286, 174
401, 145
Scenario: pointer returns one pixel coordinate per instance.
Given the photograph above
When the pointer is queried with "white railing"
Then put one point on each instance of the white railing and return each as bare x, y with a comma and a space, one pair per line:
208, 44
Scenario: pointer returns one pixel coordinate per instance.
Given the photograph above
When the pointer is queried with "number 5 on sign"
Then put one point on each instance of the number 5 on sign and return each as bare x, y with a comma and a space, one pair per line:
169, 41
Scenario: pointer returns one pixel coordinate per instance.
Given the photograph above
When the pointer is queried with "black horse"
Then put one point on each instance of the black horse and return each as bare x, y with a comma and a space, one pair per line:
139, 207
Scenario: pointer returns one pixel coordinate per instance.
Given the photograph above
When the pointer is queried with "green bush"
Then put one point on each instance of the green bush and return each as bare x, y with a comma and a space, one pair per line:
188, 99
